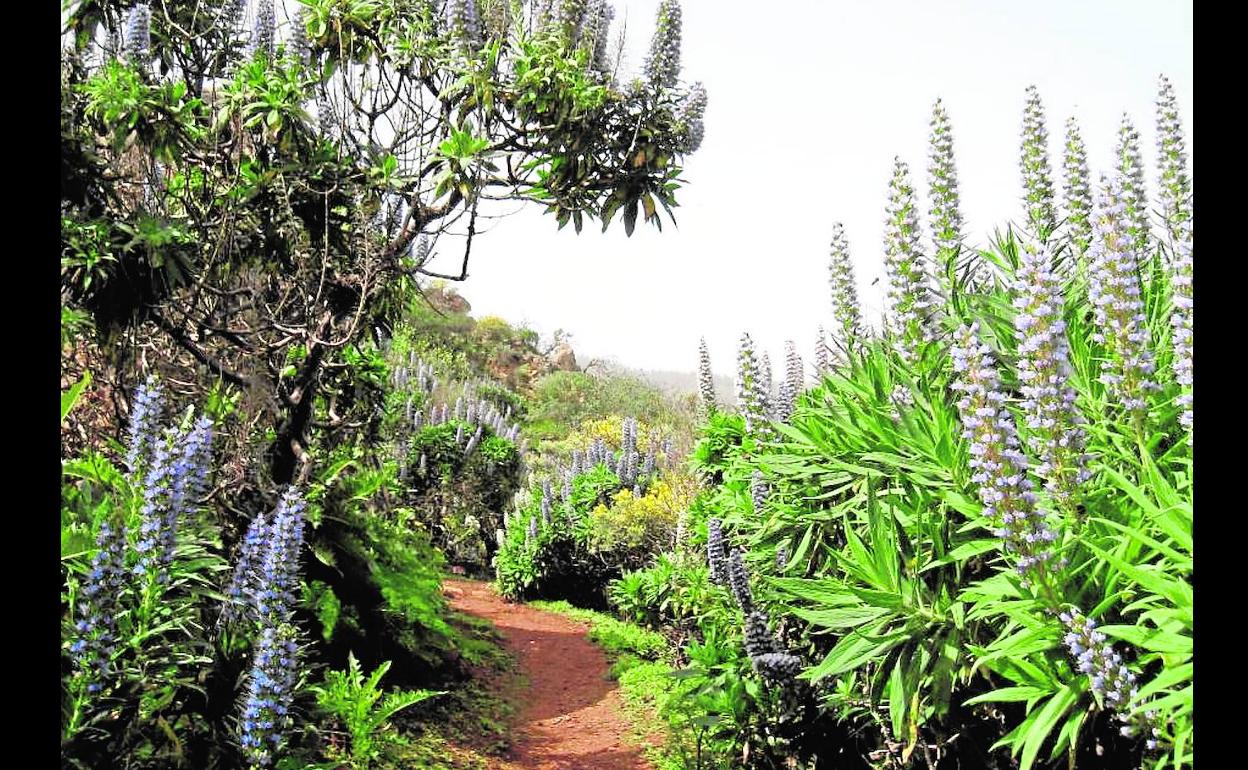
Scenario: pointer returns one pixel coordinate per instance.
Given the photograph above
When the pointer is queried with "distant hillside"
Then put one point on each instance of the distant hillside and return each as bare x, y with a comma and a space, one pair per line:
669, 381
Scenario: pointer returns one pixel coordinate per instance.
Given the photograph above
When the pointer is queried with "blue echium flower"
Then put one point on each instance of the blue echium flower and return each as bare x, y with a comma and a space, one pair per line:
156, 491
910, 300
255, 541
782, 558
739, 580
531, 533
1181, 321
1034, 162
266, 717
464, 24
845, 307
1114, 290
263, 33
1077, 188
823, 354
751, 394
946, 212
188, 482
758, 491
571, 18
595, 30
95, 632
706, 380
1111, 682
276, 581
689, 117
1055, 435
145, 416
758, 638
139, 35
715, 551
300, 45
1130, 168
998, 468
662, 65
1175, 182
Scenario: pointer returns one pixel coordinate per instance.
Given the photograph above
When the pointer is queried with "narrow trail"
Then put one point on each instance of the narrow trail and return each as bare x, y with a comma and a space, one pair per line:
570, 716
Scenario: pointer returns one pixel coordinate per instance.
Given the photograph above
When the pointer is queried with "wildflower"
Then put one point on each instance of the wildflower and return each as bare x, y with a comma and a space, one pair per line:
155, 492
300, 46
1056, 437
95, 631
262, 34
998, 468
1114, 289
531, 534
1181, 320
739, 580
758, 639
715, 557
845, 307
758, 491
689, 117
942, 179
777, 667
910, 300
277, 580
1130, 167
1176, 185
782, 558
255, 541
473, 442
188, 480
751, 392
662, 66
1037, 178
823, 354
144, 418
139, 35
1078, 190
266, 714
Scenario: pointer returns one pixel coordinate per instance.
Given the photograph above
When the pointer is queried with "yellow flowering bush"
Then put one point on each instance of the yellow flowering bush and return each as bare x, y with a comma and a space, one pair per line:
632, 527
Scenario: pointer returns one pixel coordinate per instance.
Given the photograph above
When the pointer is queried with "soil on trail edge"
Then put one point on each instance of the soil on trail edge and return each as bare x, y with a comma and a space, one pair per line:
570, 716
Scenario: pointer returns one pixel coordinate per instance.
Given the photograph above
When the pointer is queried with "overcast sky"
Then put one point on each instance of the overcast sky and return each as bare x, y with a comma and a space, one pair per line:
809, 102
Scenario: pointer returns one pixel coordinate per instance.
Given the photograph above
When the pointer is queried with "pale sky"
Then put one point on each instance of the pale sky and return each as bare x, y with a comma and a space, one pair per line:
808, 104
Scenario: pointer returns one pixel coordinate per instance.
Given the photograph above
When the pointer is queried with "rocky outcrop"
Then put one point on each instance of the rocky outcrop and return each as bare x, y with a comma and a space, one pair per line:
562, 358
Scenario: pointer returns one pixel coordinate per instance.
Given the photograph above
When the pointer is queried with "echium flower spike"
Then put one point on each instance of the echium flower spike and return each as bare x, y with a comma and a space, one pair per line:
1114, 290
1111, 682
946, 213
845, 307
1181, 320
758, 491
144, 419
255, 541
156, 493
706, 380
689, 116
998, 468
1176, 184
1077, 187
758, 638
300, 45
823, 354
751, 395
1130, 167
277, 582
572, 15
662, 67
739, 580
263, 34
715, 551
95, 636
266, 716
463, 23
1055, 434
139, 35
794, 374
910, 301
1034, 162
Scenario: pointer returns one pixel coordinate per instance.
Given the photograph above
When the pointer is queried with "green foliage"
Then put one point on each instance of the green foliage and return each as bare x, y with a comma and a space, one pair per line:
364, 709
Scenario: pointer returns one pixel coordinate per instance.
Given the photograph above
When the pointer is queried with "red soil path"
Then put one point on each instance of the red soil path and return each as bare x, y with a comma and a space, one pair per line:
570, 716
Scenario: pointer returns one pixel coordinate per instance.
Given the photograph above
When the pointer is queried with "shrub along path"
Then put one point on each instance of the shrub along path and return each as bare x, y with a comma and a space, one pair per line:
570, 716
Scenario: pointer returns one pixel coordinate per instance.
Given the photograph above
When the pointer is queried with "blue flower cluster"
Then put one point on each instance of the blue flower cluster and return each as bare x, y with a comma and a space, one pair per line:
300, 45
1055, 434
823, 354
95, 630
1111, 682
752, 389
662, 66
689, 116
910, 298
792, 384
768, 660
594, 32
706, 380
1181, 322
145, 414
463, 23
1077, 189
998, 467
1114, 290
1034, 162
716, 558
1176, 184
1130, 168
758, 491
263, 32
266, 716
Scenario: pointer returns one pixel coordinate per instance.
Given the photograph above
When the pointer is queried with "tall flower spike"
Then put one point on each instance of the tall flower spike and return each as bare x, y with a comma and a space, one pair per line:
739, 580
758, 491
751, 396
716, 557
266, 716
572, 15
1175, 183
277, 581
794, 370
689, 117
262, 35
95, 632
1130, 167
595, 33
1034, 162
1181, 320
463, 23
662, 67
823, 354
139, 35
255, 541
758, 638
998, 468
144, 421
910, 300
706, 380
946, 214
1055, 434
156, 492
845, 307
1111, 682
300, 46
1114, 290
1077, 187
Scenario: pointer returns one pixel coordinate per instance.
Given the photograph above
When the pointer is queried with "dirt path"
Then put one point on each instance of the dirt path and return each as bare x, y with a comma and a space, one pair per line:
569, 717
